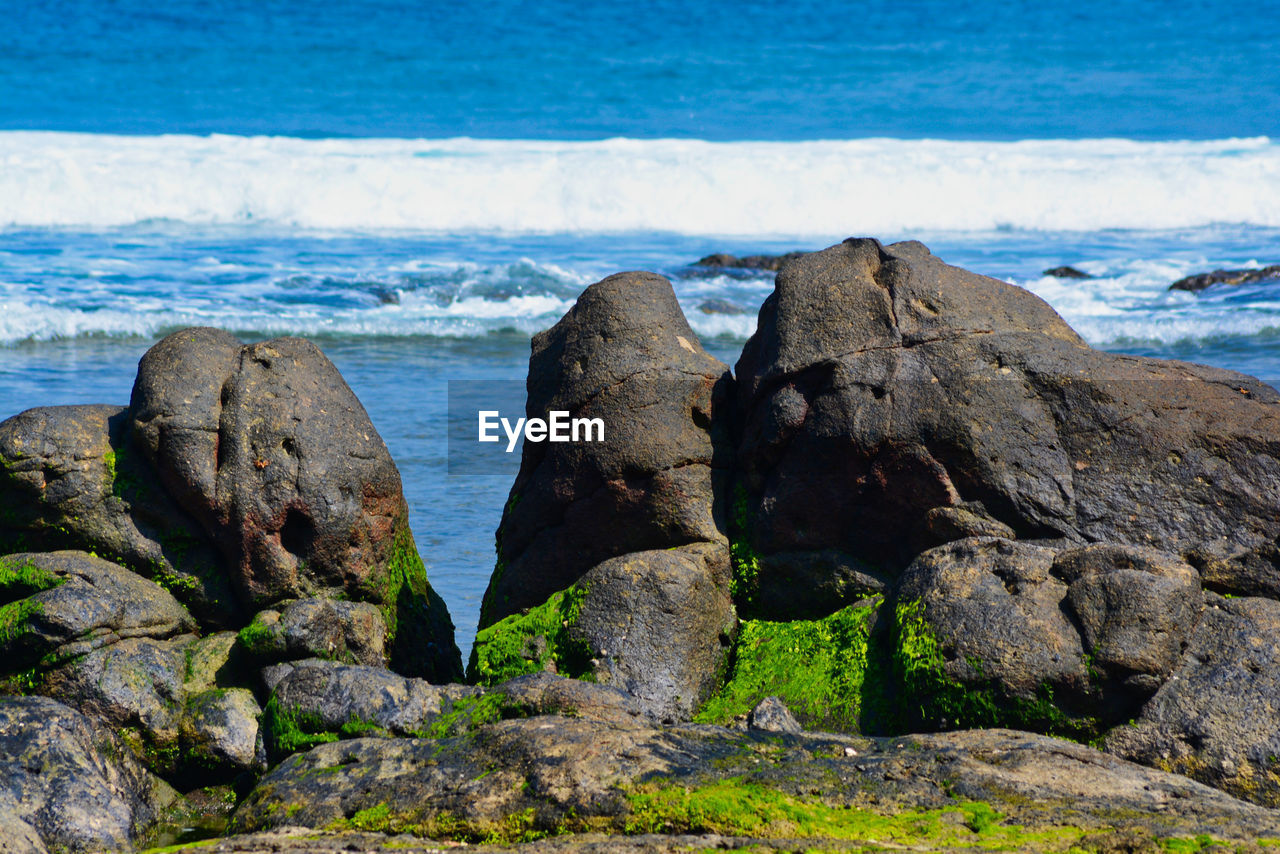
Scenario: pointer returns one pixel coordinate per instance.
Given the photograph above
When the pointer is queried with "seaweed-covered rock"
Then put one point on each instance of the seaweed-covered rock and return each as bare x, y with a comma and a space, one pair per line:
70, 478
334, 629
68, 782
65, 604
656, 624
624, 354
269, 449
1217, 718
521, 778
884, 387
983, 638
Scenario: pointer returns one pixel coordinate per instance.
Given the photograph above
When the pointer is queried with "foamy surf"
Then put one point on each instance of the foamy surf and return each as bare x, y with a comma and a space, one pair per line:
868, 186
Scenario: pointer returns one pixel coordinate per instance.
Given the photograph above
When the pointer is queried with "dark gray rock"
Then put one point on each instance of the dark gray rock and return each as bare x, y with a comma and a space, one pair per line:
321, 700
659, 625
69, 782
772, 715
1201, 281
994, 612
87, 604
353, 632
750, 262
883, 384
720, 306
267, 447
545, 693
71, 478
564, 774
1066, 273
1217, 718
1136, 609
625, 354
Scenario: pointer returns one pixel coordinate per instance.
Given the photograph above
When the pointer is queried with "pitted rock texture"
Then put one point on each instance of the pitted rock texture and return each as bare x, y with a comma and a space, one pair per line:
884, 388
624, 354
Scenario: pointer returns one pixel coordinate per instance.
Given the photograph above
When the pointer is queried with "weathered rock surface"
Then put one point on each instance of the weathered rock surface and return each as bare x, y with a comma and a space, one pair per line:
1201, 281
884, 387
772, 715
546, 775
71, 479
547, 694
69, 785
269, 449
624, 354
1217, 719
78, 603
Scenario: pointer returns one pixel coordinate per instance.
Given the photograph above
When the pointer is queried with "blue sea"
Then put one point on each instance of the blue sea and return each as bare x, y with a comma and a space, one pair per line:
420, 188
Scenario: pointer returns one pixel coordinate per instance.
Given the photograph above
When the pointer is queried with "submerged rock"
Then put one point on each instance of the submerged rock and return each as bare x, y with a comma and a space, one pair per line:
750, 262
1066, 273
1201, 281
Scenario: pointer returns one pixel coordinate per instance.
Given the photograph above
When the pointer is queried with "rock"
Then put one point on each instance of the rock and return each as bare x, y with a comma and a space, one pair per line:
212, 662
884, 389
625, 354
71, 783
772, 715
983, 639
515, 778
1201, 281
1066, 273
720, 306
543, 693
267, 447
220, 733
70, 478
656, 624
321, 701
1136, 609
1215, 719
340, 630
751, 262
1255, 572
77, 603
136, 686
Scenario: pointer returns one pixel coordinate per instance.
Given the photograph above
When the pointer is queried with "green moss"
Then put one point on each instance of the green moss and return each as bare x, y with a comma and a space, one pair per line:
109, 460
20, 579
467, 714
416, 618
738, 808
530, 642
935, 701
520, 826
286, 731
375, 818
260, 640
15, 620
819, 668
745, 561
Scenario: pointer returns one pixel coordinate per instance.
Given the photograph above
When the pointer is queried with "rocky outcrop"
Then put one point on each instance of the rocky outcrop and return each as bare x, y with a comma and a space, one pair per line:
1066, 273
339, 630
748, 262
524, 778
1200, 281
69, 785
584, 582
624, 354
890, 402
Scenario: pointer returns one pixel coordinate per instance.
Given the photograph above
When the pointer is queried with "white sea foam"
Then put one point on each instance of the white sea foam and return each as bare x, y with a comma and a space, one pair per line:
691, 186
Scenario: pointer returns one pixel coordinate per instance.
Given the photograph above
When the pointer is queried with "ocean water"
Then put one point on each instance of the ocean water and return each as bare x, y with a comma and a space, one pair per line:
419, 190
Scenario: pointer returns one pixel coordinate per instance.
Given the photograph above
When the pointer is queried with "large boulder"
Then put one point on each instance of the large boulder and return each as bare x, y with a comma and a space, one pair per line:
1217, 718
269, 449
68, 783
335, 629
890, 402
624, 354
70, 478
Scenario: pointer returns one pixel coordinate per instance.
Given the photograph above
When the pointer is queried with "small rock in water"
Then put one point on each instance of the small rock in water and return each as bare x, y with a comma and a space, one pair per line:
1201, 281
749, 262
720, 306
1066, 273
772, 715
